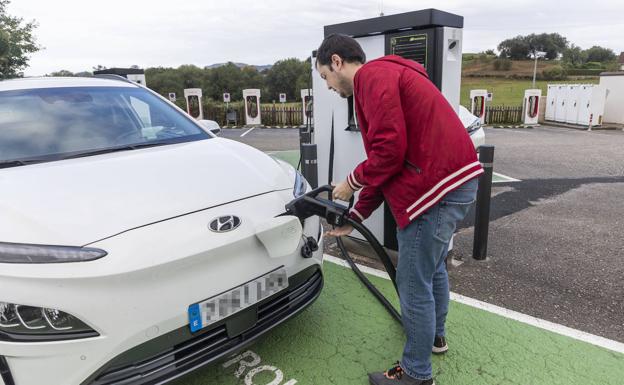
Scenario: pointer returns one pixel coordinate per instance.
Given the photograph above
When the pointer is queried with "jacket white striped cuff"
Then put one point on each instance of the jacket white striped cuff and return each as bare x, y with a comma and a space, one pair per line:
355, 185
357, 214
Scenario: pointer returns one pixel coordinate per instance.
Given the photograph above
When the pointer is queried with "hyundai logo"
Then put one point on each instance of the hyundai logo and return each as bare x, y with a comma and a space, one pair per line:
224, 223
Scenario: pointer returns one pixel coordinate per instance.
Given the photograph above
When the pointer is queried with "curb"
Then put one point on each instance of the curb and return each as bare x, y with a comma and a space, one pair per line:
514, 126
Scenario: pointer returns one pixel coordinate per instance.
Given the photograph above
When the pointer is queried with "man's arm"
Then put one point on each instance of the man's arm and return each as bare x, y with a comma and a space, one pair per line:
369, 199
379, 96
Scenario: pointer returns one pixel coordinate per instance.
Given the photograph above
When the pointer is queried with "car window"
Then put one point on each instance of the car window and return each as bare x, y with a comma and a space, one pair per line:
49, 123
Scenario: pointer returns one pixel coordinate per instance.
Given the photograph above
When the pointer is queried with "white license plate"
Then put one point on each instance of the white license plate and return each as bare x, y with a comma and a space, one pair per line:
232, 301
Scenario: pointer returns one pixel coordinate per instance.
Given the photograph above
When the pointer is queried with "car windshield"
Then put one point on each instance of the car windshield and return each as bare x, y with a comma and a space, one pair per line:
48, 124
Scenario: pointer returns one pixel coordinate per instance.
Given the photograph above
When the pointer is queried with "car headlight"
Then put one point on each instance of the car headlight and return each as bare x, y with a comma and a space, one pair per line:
31, 323
301, 185
27, 253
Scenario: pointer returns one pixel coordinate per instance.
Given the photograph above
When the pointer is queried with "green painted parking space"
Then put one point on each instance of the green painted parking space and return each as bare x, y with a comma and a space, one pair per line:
346, 334
290, 156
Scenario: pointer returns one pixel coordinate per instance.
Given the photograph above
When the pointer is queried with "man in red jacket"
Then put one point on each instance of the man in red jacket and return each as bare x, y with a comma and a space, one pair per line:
421, 161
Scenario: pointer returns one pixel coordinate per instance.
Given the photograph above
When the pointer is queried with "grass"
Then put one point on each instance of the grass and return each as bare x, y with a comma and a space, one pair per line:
508, 92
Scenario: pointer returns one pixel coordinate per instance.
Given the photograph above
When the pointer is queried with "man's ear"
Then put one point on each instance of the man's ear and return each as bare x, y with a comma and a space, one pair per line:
336, 62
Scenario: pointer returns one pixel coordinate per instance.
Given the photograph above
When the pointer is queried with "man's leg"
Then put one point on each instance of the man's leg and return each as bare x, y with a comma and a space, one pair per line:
422, 278
415, 271
453, 208
441, 293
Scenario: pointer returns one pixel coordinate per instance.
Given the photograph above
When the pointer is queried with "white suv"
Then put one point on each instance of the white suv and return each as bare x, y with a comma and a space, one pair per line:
135, 245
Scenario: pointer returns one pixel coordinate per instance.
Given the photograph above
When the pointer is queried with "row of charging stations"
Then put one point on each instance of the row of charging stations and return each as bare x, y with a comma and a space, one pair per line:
579, 104
251, 97
530, 106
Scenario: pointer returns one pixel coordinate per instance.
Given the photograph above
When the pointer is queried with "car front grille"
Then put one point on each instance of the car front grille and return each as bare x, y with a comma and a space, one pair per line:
200, 350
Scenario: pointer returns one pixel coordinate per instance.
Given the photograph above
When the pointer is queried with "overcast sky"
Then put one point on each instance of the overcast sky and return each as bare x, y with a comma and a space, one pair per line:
78, 35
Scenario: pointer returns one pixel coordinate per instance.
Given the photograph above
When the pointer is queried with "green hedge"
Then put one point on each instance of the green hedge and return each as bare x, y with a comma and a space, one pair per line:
584, 72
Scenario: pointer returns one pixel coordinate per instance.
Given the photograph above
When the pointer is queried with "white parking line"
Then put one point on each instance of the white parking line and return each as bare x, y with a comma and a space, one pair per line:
507, 178
248, 131
514, 315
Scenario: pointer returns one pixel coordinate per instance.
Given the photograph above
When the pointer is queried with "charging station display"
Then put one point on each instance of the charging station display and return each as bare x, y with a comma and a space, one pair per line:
412, 46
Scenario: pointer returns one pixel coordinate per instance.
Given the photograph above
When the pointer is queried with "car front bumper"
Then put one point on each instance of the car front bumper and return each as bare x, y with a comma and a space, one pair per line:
137, 299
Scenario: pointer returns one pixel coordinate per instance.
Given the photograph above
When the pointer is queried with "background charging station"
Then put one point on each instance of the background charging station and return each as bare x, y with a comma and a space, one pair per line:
252, 107
430, 37
193, 98
530, 107
478, 99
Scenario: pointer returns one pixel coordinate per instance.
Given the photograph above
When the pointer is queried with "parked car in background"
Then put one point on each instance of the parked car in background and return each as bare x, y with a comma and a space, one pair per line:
473, 126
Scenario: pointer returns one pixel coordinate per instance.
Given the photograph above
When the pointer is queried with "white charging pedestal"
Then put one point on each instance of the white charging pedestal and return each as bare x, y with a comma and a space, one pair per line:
193, 98
530, 107
252, 107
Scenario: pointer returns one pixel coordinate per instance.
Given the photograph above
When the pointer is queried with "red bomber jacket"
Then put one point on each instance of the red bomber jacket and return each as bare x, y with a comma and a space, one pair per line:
417, 148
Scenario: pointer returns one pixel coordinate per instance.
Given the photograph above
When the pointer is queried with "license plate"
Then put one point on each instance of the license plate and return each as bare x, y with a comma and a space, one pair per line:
232, 301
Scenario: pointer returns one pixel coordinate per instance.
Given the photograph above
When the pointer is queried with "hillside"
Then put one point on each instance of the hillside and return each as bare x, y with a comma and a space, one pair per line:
473, 66
258, 68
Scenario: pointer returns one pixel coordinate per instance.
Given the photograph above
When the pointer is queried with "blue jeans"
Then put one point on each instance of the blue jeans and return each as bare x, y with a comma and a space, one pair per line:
422, 278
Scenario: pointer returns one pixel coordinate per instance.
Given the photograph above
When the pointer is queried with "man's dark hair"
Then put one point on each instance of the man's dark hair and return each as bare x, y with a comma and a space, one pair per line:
342, 45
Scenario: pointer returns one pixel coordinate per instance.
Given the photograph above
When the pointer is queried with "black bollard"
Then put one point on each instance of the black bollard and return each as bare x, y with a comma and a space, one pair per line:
309, 163
482, 209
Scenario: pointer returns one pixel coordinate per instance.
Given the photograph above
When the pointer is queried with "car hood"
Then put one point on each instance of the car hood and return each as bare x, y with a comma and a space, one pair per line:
78, 201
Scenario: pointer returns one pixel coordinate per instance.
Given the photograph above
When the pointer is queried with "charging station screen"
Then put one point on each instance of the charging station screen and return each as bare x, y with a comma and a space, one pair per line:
412, 47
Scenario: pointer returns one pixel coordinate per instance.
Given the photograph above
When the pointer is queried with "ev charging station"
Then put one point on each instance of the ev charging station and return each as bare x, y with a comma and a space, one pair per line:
551, 102
530, 107
571, 105
193, 98
592, 100
252, 107
306, 97
560, 109
478, 98
579, 104
431, 37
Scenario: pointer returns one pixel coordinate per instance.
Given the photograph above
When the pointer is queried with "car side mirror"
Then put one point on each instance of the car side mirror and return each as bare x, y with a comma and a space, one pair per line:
211, 126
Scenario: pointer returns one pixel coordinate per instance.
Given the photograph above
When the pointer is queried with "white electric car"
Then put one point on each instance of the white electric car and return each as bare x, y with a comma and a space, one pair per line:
473, 126
135, 245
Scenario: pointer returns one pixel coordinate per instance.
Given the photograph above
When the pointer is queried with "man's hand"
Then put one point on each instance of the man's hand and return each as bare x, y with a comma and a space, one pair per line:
340, 231
343, 191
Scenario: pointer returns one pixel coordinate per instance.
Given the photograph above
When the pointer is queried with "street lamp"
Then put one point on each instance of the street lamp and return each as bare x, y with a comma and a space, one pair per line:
536, 54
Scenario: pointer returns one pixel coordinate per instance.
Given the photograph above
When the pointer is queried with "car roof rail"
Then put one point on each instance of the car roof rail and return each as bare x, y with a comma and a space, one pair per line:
115, 77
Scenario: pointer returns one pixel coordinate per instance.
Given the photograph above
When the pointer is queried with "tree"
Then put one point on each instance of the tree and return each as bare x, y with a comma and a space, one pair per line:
516, 48
523, 47
551, 43
574, 56
226, 78
600, 54
17, 42
62, 73
305, 79
283, 76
